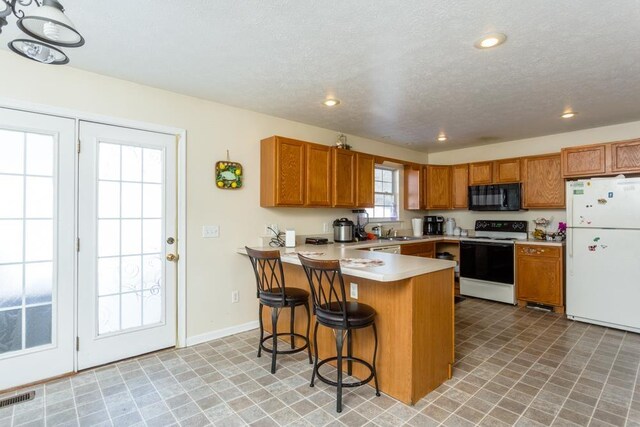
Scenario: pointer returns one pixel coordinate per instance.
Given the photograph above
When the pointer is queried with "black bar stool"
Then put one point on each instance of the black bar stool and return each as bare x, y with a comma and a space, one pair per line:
271, 291
332, 310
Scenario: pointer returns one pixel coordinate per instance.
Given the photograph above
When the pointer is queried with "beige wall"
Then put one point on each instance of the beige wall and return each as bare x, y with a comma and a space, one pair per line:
213, 267
527, 147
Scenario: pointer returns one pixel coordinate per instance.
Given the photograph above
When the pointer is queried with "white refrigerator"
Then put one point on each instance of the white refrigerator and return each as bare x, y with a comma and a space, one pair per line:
603, 252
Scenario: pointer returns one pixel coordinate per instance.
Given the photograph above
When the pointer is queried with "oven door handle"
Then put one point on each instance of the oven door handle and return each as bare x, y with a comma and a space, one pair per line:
499, 245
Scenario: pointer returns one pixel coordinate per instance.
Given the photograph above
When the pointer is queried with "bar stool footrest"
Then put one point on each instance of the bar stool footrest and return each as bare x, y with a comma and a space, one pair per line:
284, 334
345, 359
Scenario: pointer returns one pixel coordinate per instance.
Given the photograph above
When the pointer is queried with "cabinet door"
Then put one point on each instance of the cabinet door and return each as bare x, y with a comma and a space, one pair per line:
438, 187
539, 274
365, 169
282, 172
543, 185
625, 156
481, 173
584, 161
459, 186
425, 187
413, 198
422, 249
344, 178
506, 171
318, 170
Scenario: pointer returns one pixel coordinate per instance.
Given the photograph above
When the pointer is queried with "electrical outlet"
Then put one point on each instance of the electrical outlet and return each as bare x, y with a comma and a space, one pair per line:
210, 231
353, 291
268, 232
235, 296
326, 227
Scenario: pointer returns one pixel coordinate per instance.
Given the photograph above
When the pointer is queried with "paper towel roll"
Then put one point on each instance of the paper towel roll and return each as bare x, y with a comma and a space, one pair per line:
416, 223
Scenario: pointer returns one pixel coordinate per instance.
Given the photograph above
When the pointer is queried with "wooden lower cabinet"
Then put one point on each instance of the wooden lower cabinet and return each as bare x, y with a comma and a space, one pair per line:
422, 249
540, 275
542, 182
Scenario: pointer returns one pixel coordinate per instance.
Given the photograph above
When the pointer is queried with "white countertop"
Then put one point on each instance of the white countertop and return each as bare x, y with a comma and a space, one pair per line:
396, 267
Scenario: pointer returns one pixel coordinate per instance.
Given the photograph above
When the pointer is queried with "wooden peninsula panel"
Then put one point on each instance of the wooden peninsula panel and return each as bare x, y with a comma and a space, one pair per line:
415, 330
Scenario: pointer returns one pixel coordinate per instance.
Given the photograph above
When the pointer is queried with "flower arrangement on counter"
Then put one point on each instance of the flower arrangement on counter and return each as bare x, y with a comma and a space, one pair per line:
541, 233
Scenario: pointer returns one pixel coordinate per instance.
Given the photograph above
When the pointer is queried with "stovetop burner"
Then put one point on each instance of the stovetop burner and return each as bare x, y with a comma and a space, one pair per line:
504, 231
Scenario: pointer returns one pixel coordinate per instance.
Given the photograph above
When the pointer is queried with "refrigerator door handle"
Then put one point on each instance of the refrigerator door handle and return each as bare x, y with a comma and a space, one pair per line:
569, 206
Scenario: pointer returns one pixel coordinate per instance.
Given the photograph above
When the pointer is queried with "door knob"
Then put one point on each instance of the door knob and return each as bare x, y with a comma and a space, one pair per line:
172, 257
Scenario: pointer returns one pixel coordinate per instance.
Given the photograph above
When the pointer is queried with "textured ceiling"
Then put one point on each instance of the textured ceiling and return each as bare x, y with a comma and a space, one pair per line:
404, 70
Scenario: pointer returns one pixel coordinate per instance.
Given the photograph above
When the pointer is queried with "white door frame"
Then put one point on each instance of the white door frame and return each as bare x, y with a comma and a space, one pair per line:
181, 134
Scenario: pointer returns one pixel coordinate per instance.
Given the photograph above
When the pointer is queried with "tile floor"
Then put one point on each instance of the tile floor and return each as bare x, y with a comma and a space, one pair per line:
515, 367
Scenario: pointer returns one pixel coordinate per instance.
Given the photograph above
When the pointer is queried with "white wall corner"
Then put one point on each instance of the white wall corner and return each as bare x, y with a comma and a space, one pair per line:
221, 333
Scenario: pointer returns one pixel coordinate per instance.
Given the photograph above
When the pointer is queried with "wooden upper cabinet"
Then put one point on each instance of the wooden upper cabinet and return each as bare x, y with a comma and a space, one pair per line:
282, 164
584, 161
413, 195
543, 185
438, 187
364, 184
481, 173
506, 171
318, 171
625, 156
344, 178
459, 186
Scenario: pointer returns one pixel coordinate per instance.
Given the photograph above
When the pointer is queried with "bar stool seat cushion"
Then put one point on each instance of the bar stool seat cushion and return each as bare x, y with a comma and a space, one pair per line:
293, 296
357, 314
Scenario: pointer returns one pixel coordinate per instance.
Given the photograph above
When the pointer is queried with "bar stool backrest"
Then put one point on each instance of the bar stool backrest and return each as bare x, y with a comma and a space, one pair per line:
327, 288
267, 267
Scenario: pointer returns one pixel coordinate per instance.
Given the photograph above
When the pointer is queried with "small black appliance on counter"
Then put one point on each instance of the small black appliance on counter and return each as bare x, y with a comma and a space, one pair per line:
434, 225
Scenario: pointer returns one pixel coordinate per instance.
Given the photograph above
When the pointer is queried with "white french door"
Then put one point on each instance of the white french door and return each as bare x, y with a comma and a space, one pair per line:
37, 206
127, 230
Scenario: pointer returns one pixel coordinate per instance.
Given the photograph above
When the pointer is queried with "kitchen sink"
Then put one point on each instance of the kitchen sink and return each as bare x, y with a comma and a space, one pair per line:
399, 238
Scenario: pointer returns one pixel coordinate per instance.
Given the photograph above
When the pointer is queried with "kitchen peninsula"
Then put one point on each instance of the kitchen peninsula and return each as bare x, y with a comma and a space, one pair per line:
414, 301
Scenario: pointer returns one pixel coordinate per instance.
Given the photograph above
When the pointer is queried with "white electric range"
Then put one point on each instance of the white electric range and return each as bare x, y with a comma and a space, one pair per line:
487, 260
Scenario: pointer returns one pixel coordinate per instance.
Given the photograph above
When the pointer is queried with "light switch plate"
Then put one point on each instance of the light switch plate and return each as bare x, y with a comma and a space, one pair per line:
210, 231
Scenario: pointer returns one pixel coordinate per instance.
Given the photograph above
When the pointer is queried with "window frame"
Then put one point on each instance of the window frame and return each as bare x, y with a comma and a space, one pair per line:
395, 183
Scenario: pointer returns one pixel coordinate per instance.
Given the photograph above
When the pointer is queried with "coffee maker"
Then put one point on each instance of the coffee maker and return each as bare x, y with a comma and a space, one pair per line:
362, 219
434, 225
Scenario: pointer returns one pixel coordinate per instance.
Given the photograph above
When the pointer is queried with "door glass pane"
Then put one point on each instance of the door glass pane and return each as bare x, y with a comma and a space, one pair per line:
38, 325
12, 146
130, 191
11, 194
27, 227
10, 330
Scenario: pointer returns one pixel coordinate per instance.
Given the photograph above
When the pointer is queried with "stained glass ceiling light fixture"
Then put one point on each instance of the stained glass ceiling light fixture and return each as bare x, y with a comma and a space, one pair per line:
47, 24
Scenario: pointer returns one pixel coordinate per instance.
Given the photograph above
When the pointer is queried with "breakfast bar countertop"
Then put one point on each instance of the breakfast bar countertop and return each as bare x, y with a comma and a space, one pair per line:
395, 267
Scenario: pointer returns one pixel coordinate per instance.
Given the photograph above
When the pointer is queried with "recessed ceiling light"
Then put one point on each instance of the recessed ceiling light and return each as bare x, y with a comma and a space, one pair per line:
568, 114
490, 40
331, 102
442, 137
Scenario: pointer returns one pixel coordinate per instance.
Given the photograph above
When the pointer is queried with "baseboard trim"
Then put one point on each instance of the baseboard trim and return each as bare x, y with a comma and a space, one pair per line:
221, 333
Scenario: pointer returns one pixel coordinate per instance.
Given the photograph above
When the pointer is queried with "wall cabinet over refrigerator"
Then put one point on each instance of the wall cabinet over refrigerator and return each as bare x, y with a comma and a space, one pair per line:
601, 159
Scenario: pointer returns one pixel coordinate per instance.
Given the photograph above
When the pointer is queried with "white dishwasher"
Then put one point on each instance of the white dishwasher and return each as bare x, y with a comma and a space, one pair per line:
389, 249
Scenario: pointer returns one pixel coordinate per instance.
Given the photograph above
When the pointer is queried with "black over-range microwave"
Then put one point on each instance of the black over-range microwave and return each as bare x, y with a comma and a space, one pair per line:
498, 197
